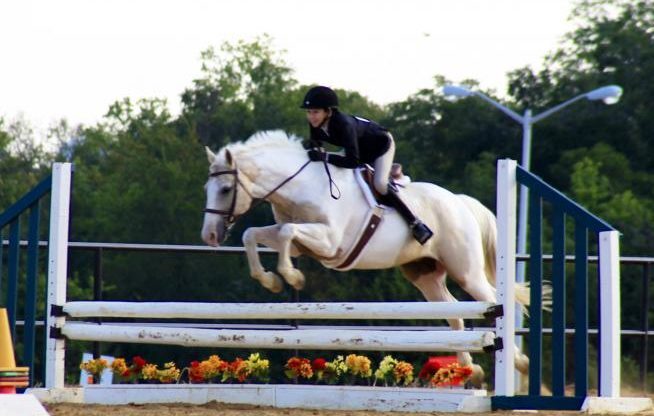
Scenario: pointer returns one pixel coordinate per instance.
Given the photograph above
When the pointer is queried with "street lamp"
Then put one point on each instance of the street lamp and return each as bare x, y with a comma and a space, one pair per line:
609, 94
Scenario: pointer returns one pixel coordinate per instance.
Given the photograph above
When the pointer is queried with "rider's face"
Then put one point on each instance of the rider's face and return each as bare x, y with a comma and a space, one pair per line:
317, 116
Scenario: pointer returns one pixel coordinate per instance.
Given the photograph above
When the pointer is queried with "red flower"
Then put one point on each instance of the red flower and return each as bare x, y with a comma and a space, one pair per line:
125, 374
195, 373
298, 367
138, 362
318, 364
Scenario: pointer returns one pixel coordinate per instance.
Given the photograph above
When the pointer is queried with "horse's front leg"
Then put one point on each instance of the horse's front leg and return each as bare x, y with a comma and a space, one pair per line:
268, 236
315, 237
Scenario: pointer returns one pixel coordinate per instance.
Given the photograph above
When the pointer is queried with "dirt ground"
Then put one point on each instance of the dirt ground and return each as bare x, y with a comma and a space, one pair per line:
214, 409
222, 409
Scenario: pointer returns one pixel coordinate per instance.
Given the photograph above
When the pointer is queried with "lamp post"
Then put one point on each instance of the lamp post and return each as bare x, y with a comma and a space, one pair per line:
609, 94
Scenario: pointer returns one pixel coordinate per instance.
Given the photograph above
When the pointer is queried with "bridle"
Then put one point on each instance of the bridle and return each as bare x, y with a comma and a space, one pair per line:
228, 215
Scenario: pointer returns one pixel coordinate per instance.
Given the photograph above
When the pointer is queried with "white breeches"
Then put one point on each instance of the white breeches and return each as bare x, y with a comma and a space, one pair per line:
383, 166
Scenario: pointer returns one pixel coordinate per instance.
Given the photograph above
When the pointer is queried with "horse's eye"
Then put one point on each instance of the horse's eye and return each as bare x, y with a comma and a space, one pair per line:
226, 190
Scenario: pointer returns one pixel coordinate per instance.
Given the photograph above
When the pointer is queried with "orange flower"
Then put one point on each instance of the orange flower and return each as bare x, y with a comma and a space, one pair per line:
212, 367
239, 369
452, 375
298, 368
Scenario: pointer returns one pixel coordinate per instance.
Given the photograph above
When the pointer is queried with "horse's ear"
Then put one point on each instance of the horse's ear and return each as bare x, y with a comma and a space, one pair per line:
229, 159
210, 155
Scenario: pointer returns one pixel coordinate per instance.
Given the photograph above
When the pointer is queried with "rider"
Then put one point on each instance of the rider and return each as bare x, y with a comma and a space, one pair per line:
364, 141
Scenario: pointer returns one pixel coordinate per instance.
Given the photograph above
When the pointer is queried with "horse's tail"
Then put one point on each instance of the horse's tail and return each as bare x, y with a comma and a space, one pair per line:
488, 227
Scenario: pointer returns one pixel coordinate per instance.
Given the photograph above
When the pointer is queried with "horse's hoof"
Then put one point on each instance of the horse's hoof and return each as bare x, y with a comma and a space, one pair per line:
271, 281
522, 363
477, 377
293, 277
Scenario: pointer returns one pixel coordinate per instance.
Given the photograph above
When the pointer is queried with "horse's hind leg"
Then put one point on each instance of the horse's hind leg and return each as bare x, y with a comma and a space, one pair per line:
429, 276
478, 286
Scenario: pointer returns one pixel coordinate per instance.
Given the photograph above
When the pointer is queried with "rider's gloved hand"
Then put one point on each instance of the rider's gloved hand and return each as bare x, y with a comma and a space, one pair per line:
311, 144
316, 156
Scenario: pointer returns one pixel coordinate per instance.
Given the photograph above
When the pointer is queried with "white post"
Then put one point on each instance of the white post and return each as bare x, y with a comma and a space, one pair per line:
506, 245
522, 226
609, 268
57, 270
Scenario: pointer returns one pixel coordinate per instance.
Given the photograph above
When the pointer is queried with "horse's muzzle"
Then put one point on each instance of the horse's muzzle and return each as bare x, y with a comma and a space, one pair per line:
214, 232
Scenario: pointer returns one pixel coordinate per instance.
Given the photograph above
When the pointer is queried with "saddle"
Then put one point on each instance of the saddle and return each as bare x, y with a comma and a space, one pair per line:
397, 179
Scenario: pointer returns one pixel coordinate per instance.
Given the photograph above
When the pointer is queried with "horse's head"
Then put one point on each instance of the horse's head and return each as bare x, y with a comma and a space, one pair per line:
224, 201
266, 162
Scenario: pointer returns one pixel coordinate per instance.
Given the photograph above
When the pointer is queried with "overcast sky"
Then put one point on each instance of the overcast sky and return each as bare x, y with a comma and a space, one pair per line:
72, 58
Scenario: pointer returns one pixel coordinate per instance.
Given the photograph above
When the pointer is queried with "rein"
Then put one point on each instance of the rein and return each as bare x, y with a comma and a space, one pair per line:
229, 214
332, 184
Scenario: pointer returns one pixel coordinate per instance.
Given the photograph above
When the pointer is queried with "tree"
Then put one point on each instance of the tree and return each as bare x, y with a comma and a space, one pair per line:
23, 162
246, 87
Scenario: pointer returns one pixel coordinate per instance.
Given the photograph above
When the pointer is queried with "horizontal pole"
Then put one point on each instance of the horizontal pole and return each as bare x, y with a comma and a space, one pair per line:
520, 331
333, 310
312, 339
264, 250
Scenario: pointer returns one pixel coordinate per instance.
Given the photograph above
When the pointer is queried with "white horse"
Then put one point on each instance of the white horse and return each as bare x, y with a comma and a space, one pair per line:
309, 221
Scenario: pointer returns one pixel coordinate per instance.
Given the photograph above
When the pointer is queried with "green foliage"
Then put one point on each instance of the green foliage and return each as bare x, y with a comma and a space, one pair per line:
245, 88
22, 161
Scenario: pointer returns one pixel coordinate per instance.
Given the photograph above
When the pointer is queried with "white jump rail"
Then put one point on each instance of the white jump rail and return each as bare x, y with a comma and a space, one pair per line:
306, 339
332, 310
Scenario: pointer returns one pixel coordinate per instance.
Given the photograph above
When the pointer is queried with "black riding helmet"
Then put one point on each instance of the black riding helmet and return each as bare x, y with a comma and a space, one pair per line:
320, 97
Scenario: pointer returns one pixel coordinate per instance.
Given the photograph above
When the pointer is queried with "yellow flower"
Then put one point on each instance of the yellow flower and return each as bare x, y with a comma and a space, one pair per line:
358, 365
403, 373
257, 367
150, 372
94, 367
169, 374
334, 369
119, 366
386, 367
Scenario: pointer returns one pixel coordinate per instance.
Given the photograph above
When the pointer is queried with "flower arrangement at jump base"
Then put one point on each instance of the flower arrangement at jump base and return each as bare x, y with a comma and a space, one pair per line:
216, 370
349, 370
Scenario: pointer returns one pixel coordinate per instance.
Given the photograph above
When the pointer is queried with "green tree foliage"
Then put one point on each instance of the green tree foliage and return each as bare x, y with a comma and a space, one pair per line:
23, 162
245, 88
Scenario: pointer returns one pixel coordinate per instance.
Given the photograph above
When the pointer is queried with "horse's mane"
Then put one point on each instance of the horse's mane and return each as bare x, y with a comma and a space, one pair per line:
263, 140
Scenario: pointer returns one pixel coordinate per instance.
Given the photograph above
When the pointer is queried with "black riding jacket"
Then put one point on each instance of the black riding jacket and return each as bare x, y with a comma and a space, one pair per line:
363, 140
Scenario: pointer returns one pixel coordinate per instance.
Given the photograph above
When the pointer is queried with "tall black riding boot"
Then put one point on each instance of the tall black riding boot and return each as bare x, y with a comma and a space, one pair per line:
420, 231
